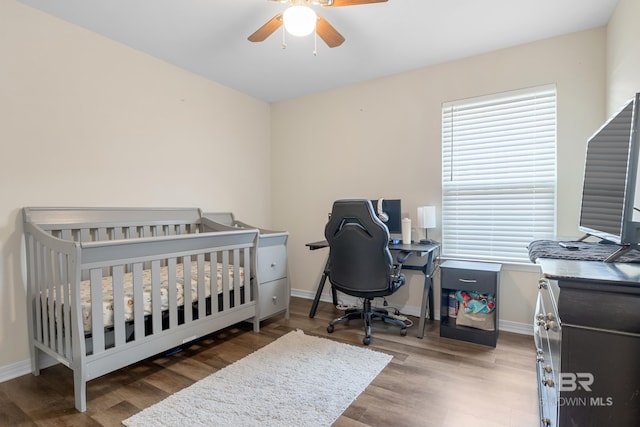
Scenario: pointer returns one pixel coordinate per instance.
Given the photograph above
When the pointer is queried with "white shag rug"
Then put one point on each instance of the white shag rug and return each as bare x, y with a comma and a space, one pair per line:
297, 380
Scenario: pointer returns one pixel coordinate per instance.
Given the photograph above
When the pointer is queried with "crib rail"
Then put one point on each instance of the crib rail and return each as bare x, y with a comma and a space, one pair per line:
49, 218
51, 270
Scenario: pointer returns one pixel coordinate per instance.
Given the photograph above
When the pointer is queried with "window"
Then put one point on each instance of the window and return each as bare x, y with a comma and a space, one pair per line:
498, 174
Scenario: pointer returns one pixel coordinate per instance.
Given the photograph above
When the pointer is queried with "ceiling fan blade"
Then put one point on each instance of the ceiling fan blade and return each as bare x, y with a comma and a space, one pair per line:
267, 29
327, 33
340, 3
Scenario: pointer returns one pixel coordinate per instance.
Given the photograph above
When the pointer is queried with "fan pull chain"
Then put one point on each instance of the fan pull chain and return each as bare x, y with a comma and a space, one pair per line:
284, 40
315, 44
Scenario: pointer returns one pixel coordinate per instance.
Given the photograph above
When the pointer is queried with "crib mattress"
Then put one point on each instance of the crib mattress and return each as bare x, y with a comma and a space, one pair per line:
107, 291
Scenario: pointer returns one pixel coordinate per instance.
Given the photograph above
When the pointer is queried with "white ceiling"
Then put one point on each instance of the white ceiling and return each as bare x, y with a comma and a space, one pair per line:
209, 37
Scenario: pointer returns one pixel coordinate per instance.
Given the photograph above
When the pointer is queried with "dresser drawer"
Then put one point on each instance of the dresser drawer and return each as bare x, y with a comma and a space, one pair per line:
469, 280
272, 263
274, 297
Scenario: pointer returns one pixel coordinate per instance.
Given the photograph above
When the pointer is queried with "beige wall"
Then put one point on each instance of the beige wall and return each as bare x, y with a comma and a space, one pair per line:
382, 138
85, 121
623, 54
74, 105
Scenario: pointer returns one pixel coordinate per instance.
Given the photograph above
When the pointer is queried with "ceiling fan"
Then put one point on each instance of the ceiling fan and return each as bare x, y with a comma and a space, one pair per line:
316, 22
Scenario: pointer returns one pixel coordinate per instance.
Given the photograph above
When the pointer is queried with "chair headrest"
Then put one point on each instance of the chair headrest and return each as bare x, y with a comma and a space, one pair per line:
356, 211
360, 262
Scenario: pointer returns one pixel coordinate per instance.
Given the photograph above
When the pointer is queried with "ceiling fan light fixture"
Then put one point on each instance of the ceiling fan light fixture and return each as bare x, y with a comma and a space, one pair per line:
299, 20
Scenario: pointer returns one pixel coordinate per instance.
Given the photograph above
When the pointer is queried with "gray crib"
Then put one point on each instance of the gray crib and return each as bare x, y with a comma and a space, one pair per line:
108, 287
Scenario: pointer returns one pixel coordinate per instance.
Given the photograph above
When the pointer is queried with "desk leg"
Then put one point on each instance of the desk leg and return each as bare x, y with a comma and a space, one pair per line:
427, 299
334, 295
316, 300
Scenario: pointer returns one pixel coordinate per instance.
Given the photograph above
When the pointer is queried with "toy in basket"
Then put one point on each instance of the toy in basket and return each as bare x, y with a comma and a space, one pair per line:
476, 310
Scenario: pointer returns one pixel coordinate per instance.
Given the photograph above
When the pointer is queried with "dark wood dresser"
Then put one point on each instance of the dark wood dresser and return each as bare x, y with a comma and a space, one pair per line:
587, 333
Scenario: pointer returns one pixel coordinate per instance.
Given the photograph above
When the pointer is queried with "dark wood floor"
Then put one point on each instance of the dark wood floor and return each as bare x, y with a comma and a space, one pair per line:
430, 382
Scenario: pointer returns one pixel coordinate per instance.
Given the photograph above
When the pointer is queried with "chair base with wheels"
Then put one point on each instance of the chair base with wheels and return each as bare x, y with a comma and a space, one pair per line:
368, 315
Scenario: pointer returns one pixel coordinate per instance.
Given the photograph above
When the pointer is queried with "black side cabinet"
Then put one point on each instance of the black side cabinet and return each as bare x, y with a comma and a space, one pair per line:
470, 276
598, 323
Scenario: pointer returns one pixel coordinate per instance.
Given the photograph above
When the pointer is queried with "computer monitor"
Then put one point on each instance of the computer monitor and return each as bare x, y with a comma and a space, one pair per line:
393, 210
611, 186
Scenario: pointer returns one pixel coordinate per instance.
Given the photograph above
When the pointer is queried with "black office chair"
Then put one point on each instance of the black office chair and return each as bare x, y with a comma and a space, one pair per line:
360, 263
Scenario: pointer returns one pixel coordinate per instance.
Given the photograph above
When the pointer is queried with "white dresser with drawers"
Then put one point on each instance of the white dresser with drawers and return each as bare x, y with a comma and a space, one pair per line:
272, 270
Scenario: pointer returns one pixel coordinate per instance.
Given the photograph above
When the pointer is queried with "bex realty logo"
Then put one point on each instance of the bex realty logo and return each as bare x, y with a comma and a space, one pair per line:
570, 381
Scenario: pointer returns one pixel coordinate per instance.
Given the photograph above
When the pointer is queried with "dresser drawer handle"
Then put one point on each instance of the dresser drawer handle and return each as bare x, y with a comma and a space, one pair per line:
548, 382
468, 280
551, 325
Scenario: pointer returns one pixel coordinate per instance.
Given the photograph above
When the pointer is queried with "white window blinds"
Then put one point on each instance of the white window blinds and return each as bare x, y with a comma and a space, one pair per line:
498, 174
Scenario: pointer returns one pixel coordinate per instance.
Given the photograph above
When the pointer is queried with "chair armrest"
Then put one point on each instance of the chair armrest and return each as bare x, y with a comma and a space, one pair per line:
403, 256
397, 272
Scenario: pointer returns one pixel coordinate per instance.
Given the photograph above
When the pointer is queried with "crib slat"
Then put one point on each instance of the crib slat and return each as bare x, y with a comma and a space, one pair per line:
156, 303
188, 296
97, 313
117, 233
72, 301
58, 286
66, 306
66, 234
213, 280
129, 233
43, 295
38, 291
32, 290
101, 234
147, 231
236, 278
42, 287
85, 235
202, 302
247, 275
51, 315
138, 301
173, 293
225, 281
118, 305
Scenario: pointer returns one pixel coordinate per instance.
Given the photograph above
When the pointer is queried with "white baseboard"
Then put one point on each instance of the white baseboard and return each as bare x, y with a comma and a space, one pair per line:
516, 327
15, 370
23, 367
503, 325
